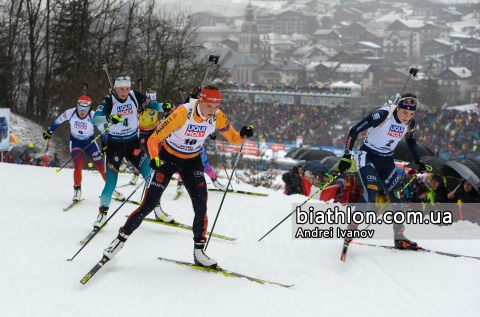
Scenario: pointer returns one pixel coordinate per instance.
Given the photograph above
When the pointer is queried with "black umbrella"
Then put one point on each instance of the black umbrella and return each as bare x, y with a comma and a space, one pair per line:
299, 150
434, 161
315, 166
31, 150
313, 155
330, 160
470, 172
18, 150
402, 152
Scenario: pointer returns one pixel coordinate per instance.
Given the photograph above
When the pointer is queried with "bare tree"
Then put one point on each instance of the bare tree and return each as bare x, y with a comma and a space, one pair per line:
12, 53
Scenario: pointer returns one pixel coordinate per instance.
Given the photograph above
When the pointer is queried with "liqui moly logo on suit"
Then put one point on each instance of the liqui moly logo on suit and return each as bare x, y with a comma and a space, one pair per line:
125, 110
195, 130
80, 125
396, 131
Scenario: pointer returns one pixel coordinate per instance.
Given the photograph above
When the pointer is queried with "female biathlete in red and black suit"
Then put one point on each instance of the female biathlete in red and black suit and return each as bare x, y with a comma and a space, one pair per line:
184, 132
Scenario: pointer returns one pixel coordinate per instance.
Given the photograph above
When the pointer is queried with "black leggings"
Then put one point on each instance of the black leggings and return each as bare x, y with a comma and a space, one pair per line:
191, 171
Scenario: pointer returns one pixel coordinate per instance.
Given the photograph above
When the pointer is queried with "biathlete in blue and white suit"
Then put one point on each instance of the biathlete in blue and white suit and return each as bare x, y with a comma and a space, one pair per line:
120, 109
375, 157
82, 135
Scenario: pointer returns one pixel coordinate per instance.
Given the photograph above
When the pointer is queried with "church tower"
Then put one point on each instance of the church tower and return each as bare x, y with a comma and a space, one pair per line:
249, 38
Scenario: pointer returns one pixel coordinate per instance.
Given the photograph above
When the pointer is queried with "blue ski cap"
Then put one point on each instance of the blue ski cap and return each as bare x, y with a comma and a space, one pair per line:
408, 103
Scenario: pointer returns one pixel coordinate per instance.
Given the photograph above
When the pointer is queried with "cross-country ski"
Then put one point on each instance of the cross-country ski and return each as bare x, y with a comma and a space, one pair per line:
218, 269
73, 204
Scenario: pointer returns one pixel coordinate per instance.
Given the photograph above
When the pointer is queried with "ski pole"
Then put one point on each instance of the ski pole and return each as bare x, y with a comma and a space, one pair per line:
59, 169
33, 144
429, 168
180, 91
393, 106
214, 59
83, 246
221, 157
104, 63
306, 201
225, 193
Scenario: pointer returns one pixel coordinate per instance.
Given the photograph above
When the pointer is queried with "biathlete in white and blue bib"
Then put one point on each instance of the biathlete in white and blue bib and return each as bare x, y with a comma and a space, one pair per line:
375, 157
120, 109
81, 136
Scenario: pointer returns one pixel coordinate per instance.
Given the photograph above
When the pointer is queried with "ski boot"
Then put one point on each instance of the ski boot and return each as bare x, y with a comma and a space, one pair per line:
199, 256
77, 194
123, 166
116, 245
402, 243
118, 195
160, 215
134, 180
351, 226
179, 187
218, 185
101, 218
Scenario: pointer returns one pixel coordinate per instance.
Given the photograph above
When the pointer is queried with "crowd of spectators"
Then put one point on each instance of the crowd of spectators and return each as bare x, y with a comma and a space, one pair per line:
29, 159
449, 131
278, 122
414, 190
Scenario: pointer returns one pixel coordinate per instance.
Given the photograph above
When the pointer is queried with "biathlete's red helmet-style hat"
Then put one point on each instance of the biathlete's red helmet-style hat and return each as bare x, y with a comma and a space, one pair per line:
210, 96
84, 101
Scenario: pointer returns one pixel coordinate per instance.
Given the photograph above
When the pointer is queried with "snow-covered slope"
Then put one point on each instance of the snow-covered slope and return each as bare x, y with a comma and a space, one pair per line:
30, 132
38, 237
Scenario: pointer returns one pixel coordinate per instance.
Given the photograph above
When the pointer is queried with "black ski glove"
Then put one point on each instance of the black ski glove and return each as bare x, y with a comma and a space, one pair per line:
345, 163
115, 119
246, 132
422, 168
213, 136
167, 107
155, 163
48, 134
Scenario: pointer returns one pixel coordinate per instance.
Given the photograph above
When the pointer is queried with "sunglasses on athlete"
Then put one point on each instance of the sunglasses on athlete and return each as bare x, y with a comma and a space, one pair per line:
83, 107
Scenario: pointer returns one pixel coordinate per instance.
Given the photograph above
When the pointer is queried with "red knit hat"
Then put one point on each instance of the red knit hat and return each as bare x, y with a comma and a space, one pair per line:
421, 189
84, 101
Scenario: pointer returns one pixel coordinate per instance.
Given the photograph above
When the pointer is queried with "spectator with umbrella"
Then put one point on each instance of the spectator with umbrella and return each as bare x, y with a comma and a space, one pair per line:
438, 191
464, 194
293, 180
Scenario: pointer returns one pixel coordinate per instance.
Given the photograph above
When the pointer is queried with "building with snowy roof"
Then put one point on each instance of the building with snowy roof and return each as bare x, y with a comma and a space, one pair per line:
240, 66
437, 46
286, 73
329, 38
454, 84
465, 57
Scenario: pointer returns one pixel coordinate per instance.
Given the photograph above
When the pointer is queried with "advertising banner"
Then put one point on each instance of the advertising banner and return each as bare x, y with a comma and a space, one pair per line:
4, 128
